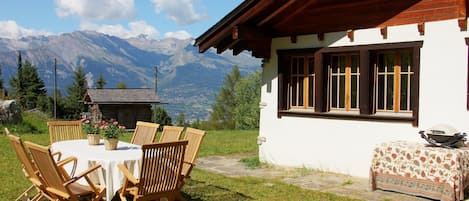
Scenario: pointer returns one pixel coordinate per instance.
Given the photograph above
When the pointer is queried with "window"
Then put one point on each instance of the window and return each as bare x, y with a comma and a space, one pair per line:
377, 82
393, 72
301, 82
343, 81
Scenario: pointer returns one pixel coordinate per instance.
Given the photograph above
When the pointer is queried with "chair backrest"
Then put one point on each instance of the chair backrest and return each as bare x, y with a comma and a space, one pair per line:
194, 137
171, 133
144, 133
45, 163
28, 165
168, 158
65, 130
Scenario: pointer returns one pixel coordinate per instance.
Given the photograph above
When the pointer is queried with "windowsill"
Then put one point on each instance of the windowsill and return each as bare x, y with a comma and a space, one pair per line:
349, 115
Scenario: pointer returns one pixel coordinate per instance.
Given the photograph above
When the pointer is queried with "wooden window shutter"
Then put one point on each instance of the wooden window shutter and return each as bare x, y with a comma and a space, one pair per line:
283, 72
366, 82
320, 82
415, 86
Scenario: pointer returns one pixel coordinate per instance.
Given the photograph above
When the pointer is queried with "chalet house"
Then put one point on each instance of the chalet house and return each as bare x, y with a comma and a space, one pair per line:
126, 105
340, 77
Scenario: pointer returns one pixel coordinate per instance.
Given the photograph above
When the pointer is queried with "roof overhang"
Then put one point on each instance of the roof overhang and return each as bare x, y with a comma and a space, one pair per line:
252, 25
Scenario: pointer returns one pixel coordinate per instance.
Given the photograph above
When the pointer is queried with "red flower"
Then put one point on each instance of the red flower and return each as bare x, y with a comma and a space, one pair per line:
423, 159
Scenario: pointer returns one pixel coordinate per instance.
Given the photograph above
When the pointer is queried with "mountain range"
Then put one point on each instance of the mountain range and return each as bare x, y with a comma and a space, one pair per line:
187, 81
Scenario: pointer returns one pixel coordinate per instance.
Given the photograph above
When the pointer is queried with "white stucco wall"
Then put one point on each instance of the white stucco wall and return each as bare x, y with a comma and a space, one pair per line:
346, 146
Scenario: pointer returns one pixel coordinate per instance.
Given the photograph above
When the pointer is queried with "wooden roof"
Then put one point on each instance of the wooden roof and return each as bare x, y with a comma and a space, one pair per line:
252, 25
121, 96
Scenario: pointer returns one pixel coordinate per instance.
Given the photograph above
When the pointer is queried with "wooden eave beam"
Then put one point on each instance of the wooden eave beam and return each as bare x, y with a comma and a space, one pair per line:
384, 32
462, 14
351, 35
275, 13
320, 36
237, 50
244, 32
421, 28
295, 12
225, 44
462, 22
258, 48
462, 5
226, 29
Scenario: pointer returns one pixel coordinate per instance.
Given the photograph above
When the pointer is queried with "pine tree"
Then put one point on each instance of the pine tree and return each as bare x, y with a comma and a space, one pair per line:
74, 105
27, 86
16, 83
100, 82
222, 110
34, 89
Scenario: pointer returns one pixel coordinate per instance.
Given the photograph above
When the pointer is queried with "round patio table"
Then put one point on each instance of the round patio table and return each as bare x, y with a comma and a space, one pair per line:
109, 174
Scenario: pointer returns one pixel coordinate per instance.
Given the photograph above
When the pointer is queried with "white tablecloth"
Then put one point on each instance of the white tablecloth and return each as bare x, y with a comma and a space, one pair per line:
89, 155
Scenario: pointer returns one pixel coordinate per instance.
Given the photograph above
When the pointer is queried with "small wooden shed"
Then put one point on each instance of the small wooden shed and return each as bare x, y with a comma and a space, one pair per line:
126, 105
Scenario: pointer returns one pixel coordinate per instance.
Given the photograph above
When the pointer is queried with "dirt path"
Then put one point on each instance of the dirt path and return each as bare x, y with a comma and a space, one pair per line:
339, 184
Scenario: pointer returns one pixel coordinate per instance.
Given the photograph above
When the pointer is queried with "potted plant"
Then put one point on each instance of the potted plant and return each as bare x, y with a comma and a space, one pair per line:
111, 131
92, 131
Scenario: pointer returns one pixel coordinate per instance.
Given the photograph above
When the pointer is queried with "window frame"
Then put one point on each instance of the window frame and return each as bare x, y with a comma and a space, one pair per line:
397, 75
347, 75
367, 57
285, 76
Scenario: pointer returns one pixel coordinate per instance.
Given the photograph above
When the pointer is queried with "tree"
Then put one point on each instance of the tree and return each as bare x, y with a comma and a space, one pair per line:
181, 119
28, 86
162, 117
197, 124
16, 83
223, 108
60, 106
74, 105
34, 88
247, 98
121, 85
100, 82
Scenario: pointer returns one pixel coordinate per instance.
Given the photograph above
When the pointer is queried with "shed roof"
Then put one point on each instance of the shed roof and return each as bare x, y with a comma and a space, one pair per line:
252, 25
121, 96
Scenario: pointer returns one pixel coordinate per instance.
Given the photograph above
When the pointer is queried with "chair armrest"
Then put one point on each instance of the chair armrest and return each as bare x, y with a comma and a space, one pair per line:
59, 155
127, 173
82, 174
66, 161
191, 165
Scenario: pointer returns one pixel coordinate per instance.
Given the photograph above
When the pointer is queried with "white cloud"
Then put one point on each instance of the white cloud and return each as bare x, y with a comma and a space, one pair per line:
180, 11
10, 29
182, 35
135, 29
96, 9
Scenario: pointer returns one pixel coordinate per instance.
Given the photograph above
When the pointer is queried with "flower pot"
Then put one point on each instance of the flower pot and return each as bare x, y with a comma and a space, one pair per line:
110, 143
93, 139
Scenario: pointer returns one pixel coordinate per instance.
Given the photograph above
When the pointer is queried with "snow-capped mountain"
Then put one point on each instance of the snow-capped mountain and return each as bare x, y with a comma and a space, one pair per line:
187, 81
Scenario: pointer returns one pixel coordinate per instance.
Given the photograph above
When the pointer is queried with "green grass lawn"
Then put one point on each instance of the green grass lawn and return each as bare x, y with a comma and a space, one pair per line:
202, 186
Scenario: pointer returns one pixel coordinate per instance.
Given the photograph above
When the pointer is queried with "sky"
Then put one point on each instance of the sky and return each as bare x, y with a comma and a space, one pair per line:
157, 19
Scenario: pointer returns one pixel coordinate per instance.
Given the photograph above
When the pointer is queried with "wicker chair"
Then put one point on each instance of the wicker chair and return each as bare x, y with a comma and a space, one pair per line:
171, 133
65, 130
59, 184
160, 172
194, 138
145, 133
